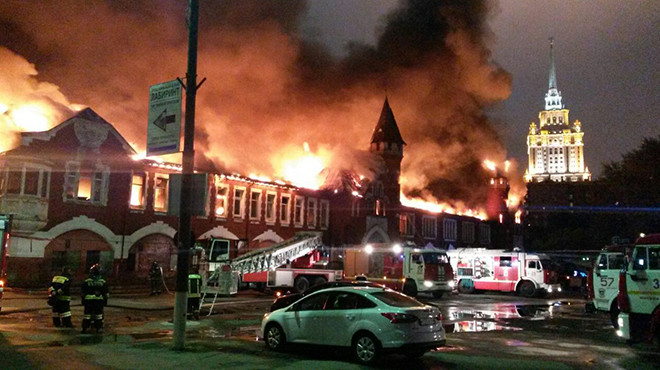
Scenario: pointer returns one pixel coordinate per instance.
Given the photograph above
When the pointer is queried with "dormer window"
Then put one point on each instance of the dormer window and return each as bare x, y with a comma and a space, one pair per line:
86, 183
378, 189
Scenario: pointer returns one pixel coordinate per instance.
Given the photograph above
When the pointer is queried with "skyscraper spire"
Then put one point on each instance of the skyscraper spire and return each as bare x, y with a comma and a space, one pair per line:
555, 147
553, 97
553, 78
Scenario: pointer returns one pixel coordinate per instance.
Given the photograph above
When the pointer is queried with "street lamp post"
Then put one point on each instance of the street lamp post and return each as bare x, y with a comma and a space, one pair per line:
185, 224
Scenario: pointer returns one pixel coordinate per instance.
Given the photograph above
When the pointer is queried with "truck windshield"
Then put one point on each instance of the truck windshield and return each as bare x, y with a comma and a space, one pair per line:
435, 258
219, 250
547, 264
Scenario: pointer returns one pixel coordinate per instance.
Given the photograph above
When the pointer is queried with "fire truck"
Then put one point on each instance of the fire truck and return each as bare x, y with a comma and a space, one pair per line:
639, 292
295, 263
527, 274
406, 268
604, 286
5, 229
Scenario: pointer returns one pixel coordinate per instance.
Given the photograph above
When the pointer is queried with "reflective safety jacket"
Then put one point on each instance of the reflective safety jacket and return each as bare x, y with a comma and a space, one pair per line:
95, 288
60, 288
194, 286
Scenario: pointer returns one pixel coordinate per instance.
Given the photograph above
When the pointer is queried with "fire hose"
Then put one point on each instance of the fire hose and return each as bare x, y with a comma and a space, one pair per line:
162, 279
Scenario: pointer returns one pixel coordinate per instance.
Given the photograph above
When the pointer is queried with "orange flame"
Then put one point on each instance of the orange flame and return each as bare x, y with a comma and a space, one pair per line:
440, 207
490, 165
304, 170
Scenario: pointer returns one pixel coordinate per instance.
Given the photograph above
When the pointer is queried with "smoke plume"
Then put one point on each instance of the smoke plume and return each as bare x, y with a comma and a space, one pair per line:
269, 89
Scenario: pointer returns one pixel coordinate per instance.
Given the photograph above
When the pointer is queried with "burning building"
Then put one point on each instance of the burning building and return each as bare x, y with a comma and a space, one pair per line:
276, 104
80, 196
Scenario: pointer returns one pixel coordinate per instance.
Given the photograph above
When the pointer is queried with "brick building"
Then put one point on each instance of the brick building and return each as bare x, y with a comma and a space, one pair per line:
79, 197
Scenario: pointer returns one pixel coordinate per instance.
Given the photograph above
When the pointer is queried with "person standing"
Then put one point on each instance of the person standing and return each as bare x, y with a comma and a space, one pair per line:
60, 298
94, 298
156, 276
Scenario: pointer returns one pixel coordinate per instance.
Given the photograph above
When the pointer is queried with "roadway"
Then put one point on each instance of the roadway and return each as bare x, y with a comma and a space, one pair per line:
484, 331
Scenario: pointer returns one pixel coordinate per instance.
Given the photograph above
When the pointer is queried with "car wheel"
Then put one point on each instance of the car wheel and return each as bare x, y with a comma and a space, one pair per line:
319, 280
614, 314
410, 288
365, 348
415, 353
274, 337
301, 284
527, 289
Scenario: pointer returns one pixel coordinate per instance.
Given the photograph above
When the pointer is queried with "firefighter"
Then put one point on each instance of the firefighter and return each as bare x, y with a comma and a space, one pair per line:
94, 298
194, 294
60, 298
156, 276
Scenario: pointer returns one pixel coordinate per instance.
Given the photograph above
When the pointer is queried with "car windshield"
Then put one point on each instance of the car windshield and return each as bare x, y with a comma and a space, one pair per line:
396, 299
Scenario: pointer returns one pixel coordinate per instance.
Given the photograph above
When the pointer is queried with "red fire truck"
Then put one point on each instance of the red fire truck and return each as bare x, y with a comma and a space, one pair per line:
406, 268
485, 269
5, 229
293, 263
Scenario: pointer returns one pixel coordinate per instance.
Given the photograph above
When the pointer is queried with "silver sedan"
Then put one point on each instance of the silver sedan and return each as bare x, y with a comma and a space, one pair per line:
370, 321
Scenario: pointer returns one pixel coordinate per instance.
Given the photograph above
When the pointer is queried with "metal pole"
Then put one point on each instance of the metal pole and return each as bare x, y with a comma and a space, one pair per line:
185, 225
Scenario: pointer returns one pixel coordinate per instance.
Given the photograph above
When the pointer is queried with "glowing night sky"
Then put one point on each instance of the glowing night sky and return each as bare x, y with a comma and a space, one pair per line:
464, 78
606, 57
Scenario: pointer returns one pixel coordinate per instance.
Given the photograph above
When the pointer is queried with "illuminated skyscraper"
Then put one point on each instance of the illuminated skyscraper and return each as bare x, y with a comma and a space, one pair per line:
555, 148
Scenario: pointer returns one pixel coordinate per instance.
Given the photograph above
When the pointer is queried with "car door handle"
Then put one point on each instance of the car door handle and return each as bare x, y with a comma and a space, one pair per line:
350, 317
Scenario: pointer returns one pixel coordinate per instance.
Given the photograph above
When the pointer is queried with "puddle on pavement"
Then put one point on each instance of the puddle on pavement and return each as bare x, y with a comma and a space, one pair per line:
77, 341
479, 320
153, 335
474, 326
244, 333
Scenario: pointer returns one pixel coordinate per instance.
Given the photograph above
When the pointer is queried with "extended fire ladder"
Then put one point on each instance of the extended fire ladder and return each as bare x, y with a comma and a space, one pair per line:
224, 280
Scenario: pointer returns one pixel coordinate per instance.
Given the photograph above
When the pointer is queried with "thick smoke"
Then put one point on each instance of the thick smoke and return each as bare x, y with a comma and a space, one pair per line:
269, 90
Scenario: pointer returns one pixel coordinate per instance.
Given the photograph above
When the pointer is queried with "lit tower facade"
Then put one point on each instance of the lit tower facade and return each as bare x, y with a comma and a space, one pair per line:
555, 148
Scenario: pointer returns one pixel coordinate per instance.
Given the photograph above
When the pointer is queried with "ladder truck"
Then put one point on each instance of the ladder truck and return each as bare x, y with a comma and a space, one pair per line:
290, 264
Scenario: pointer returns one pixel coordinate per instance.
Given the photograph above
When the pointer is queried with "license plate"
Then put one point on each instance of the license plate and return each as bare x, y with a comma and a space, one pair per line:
427, 321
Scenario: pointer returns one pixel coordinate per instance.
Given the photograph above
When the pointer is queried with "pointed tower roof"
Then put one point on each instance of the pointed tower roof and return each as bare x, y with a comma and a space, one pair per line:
386, 129
552, 84
553, 97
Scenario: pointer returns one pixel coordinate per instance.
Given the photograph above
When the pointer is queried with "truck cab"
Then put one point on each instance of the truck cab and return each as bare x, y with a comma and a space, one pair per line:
639, 292
407, 268
605, 279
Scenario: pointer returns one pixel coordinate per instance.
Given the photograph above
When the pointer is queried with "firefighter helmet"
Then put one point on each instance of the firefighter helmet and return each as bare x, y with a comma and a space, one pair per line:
95, 270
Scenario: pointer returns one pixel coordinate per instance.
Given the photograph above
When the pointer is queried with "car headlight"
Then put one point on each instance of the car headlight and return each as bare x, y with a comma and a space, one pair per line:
452, 284
428, 284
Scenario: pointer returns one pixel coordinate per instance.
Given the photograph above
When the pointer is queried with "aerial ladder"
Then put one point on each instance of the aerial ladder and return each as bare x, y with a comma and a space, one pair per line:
225, 274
